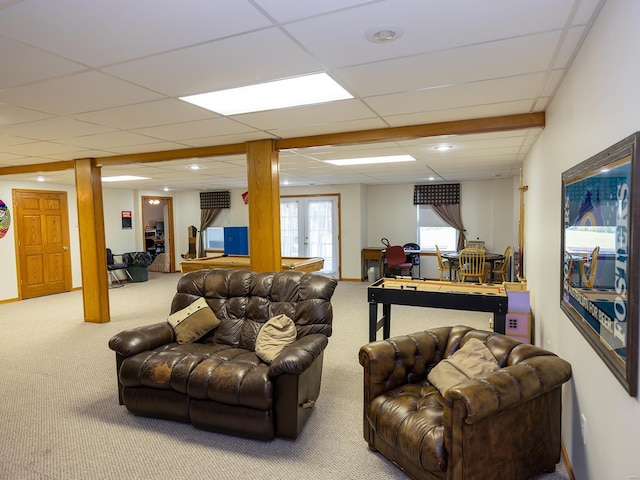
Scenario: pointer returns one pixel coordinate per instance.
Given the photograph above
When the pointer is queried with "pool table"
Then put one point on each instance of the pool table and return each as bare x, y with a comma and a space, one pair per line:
241, 262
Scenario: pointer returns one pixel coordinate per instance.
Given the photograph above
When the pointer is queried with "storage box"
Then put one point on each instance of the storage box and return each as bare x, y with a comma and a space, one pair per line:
518, 326
518, 301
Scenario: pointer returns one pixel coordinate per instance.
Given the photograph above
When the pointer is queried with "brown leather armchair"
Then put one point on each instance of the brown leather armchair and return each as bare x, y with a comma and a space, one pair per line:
502, 425
219, 382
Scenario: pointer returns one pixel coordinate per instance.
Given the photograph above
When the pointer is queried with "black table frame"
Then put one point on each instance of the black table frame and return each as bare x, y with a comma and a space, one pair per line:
496, 304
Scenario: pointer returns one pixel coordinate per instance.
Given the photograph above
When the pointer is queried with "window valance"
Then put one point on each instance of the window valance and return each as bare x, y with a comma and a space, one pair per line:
438, 194
215, 200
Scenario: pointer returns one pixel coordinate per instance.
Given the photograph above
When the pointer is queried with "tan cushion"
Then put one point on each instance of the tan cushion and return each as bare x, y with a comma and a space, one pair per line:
276, 334
193, 322
473, 360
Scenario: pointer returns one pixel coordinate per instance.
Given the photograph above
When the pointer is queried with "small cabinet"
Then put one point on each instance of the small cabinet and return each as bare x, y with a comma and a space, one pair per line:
236, 241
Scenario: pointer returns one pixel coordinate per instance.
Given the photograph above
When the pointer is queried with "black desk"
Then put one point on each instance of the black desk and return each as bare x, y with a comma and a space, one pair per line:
490, 258
428, 293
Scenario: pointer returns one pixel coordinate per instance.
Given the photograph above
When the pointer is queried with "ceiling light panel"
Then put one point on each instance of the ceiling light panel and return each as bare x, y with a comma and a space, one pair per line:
290, 92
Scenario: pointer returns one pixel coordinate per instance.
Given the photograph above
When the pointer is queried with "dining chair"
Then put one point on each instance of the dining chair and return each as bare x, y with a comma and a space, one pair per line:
445, 266
397, 259
588, 269
472, 264
501, 269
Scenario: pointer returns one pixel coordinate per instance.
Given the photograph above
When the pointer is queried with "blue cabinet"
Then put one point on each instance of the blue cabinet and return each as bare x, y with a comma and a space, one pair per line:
236, 240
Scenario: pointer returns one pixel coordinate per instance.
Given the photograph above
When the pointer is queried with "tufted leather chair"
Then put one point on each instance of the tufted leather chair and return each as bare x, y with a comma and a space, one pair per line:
218, 382
503, 425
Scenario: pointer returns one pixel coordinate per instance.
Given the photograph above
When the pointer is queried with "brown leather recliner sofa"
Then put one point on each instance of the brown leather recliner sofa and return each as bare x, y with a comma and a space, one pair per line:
218, 382
500, 425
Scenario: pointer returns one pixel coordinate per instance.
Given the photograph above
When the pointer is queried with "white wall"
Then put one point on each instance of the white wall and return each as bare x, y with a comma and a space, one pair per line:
596, 106
487, 213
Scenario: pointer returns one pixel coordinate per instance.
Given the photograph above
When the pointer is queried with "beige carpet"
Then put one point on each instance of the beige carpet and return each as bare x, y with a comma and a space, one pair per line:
60, 417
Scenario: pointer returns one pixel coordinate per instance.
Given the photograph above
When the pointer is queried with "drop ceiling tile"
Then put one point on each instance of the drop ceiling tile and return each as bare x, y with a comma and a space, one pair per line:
424, 27
472, 94
287, 10
505, 58
224, 139
76, 94
568, 48
337, 127
36, 149
197, 129
324, 113
108, 140
100, 33
10, 114
586, 9
24, 64
232, 62
53, 128
149, 114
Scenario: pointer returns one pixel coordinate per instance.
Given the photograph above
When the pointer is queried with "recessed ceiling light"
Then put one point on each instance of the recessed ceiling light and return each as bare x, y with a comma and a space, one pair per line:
443, 148
166, 189
123, 178
40, 178
371, 160
384, 33
194, 167
290, 92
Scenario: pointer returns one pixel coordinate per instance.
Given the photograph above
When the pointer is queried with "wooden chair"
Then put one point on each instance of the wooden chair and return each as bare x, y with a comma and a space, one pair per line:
444, 266
472, 264
501, 269
588, 269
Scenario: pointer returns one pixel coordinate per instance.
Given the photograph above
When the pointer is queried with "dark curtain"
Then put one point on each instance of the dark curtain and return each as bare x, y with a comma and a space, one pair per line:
451, 215
207, 216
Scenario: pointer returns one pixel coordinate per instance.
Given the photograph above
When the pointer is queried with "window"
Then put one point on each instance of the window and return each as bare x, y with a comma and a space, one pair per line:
432, 231
214, 238
583, 237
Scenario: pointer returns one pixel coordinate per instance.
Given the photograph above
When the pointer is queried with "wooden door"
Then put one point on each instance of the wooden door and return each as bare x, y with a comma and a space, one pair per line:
42, 226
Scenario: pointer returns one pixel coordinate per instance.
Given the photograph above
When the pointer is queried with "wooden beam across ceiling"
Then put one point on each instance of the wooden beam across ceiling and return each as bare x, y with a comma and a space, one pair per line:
458, 127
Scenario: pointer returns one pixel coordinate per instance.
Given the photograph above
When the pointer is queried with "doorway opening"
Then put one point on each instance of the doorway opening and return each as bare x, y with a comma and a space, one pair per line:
157, 224
310, 227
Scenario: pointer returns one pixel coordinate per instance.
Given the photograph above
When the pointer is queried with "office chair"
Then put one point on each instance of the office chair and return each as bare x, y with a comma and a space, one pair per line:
150, 246
472, 264
112, 266
397, 259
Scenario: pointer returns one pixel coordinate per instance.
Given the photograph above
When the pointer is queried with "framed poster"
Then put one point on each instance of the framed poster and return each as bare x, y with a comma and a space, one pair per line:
599, 245
126, 219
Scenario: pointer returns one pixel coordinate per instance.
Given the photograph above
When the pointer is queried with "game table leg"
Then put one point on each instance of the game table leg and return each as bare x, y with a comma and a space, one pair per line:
386, 318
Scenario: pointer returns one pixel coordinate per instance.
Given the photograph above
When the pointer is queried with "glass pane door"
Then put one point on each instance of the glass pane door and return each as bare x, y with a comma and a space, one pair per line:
309, 228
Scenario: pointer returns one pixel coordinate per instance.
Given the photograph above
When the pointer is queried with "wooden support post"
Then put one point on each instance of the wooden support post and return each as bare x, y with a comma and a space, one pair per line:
93, 257
520, 265
264, 206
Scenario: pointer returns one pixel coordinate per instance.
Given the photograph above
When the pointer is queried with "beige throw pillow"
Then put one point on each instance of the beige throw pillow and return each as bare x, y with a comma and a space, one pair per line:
193, 322
472, 360
276, 334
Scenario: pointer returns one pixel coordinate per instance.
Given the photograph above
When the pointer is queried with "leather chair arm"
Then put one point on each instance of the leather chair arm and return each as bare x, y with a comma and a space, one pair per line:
298, 356
136, 340
397, 361
508, 387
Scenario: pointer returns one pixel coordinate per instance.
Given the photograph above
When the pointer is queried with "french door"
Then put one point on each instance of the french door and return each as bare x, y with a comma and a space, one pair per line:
309, 228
